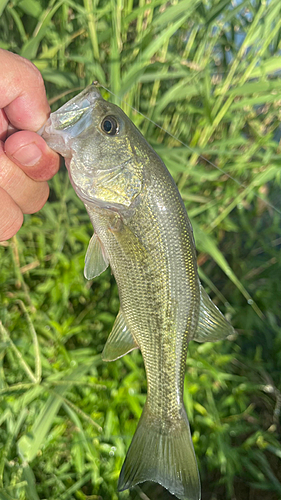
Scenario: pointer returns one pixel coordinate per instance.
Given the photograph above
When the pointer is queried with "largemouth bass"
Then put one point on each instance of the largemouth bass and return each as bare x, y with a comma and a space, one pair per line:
142, 230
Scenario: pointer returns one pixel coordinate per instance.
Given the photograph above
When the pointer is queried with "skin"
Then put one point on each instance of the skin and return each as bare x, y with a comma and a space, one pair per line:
26, 162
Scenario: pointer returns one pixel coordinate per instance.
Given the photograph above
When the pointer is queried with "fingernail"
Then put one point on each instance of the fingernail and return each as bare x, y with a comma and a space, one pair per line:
28, 155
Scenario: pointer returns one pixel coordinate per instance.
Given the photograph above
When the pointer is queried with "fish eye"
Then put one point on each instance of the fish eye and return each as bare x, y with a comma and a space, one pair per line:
110, 126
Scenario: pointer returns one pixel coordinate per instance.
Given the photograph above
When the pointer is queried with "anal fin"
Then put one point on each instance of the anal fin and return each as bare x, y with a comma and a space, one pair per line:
120, 340
212, 325
96, 260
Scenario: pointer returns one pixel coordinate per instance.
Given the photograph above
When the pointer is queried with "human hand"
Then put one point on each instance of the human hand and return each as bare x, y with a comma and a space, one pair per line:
26, 162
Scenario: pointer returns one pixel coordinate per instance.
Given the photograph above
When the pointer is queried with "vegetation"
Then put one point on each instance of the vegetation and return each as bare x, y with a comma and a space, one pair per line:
207, 73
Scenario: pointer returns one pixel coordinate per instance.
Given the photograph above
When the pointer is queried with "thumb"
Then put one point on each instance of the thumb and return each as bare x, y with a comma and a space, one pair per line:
31, 153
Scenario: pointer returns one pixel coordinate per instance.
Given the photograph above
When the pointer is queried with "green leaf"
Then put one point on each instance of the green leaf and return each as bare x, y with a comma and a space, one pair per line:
30, 488
30, 48
183, 90
29, 444
137, 69
172, 12
3, 4
31, 7
60, 78
206, 244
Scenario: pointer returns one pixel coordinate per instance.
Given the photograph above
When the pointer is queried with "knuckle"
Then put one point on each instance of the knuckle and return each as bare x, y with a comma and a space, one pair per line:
36, 75
11, 218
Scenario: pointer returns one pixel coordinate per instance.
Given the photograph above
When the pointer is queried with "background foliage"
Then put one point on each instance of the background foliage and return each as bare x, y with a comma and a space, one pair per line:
206, 72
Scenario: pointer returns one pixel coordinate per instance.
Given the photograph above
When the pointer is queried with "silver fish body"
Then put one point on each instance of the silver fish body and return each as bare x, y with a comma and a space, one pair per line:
142, 230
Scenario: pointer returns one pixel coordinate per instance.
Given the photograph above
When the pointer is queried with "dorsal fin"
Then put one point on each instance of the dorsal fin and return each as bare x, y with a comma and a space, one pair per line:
120, 340
212, 325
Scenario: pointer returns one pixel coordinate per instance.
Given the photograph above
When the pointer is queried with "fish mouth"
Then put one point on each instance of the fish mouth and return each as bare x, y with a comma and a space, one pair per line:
56, 139
69, 121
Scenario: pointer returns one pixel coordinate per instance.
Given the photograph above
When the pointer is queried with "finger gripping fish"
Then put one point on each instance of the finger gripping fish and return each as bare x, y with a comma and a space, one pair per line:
142, 230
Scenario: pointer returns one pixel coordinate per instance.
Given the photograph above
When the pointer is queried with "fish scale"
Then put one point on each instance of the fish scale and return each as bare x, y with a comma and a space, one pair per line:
142, 230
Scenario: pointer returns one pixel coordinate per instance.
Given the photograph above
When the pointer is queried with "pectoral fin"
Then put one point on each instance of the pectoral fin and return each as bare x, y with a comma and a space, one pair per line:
120, 340
96, 260
212, 325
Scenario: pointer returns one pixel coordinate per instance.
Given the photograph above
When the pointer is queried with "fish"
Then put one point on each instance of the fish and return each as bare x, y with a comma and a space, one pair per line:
142, 230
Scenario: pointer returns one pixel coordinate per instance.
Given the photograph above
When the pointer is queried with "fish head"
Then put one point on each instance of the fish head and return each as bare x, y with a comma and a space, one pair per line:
105, 153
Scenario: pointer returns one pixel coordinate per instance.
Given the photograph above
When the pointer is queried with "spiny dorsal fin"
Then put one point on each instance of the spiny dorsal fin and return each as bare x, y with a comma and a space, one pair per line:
120, 340
212, 325
96, 260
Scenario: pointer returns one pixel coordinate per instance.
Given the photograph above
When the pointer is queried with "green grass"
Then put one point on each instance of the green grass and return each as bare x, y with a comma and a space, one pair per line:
207, 73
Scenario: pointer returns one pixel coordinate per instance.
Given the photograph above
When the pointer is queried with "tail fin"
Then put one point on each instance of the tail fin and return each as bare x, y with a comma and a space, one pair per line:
166, 458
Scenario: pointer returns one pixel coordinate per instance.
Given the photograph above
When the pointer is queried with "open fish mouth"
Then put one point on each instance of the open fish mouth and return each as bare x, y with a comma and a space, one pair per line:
69, 121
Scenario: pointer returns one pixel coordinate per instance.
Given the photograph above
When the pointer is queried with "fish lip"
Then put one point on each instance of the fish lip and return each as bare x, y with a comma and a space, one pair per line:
55, 139
80, 103
88, 96
41, 130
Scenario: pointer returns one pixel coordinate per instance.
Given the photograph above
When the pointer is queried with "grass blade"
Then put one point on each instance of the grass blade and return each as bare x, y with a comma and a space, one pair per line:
30, 444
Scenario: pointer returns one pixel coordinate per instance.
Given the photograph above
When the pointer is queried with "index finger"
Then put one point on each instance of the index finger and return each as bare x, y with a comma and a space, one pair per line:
22, 92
